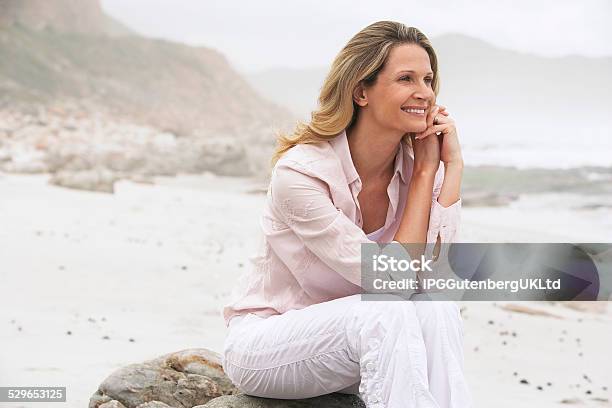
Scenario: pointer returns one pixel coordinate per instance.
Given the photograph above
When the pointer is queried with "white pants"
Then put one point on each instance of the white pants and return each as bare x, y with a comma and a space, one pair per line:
394, 353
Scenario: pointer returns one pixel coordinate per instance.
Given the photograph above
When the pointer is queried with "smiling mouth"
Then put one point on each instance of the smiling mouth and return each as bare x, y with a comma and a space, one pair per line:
412, 111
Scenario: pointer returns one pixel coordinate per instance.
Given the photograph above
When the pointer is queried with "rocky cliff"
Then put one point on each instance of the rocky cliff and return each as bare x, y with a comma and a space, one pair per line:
67, 59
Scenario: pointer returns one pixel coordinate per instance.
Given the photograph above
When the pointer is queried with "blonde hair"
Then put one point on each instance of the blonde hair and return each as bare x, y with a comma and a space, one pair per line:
361, 59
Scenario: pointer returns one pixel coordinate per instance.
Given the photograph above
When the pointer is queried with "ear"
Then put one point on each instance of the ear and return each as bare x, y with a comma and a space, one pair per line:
359, 95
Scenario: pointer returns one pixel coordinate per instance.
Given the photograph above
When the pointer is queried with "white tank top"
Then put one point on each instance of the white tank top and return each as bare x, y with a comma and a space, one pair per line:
375, 235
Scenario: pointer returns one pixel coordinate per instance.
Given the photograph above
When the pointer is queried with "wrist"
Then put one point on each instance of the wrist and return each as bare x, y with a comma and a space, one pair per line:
423, 172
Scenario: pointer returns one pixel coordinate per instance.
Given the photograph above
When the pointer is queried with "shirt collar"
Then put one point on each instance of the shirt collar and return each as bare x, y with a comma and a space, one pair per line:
341, 147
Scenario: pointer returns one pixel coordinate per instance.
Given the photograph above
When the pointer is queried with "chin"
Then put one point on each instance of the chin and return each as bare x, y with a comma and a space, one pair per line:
417, 127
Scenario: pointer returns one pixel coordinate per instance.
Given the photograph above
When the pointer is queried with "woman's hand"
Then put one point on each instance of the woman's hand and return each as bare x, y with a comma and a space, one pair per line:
450, 150
426, 149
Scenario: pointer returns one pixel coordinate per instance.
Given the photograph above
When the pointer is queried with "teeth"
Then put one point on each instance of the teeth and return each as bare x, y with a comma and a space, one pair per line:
414, 110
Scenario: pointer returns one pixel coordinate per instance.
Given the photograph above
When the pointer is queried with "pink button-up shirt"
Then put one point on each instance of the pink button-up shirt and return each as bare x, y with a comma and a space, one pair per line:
310, 249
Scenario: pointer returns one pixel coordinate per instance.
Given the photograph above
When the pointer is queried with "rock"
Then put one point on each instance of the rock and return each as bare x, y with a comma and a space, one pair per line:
5, 155
181, 379
24, 161
98, 400
487, 199
514, 307
587, 307
71, 141
154, 404
68, 157
571, 401
112, 404
335, 400
99, 179
193, 378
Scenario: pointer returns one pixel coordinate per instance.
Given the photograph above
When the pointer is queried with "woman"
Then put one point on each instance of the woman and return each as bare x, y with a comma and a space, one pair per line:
369, 167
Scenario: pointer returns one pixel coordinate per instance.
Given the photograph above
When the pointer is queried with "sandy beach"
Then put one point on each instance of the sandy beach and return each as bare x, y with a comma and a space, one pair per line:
134, 138
94, 281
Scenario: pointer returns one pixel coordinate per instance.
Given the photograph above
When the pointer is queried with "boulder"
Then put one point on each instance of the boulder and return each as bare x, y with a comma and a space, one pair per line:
153, 404
182, 379
193, 378
112, 404
98, 179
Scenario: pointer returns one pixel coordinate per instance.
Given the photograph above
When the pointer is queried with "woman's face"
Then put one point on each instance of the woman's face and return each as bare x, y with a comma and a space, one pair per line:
404, 82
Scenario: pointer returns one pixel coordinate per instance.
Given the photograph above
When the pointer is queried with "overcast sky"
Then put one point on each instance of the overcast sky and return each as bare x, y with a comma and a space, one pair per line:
255, 35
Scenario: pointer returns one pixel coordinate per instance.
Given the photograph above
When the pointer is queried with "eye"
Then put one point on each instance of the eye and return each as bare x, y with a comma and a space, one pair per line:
428, 79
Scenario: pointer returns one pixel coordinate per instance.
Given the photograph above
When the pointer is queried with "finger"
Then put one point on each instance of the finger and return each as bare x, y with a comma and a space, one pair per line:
431, 130
432, 115
440, 120
441, 114
423, 134
419, 138
426, 133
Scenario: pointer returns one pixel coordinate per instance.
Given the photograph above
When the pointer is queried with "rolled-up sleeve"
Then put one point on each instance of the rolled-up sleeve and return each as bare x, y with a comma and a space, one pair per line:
443, 220
305, 205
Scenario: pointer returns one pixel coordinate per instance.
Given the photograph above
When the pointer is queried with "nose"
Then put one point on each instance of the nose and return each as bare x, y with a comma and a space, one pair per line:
425, 93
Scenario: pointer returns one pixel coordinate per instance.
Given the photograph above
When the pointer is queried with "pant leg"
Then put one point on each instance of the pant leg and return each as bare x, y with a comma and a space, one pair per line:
299, 354
442, 328
330, 346
351, 389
